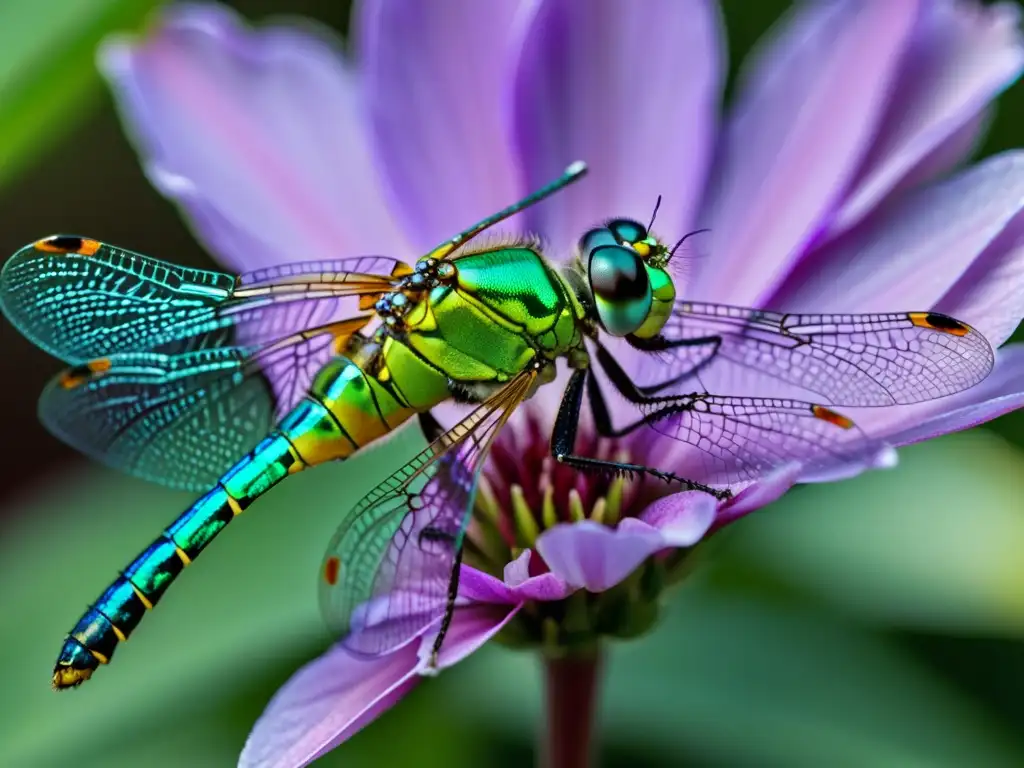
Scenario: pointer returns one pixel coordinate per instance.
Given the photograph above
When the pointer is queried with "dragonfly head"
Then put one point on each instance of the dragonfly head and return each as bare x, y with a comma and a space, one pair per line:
627, 271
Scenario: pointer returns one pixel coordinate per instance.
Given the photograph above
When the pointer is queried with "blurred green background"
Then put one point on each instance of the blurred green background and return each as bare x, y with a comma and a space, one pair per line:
875, 623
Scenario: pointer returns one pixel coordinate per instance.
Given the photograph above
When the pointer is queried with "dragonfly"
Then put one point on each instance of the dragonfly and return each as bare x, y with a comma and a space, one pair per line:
226, 384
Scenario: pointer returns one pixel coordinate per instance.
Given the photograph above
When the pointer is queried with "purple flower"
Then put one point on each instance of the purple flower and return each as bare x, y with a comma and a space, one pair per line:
827, 185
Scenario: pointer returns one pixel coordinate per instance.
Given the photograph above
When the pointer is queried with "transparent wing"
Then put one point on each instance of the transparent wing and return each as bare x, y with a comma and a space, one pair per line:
183, 419
387, 570
854, 360
80, 299
740, 439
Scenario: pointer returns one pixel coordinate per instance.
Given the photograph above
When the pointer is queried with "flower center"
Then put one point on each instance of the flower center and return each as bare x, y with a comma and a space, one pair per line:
523, 492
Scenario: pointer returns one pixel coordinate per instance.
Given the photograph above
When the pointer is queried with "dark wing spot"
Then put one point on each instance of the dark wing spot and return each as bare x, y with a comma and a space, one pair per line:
945, 323
331, 570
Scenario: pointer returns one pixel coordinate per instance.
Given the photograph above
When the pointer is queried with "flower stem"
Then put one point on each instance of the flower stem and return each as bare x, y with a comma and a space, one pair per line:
571, 690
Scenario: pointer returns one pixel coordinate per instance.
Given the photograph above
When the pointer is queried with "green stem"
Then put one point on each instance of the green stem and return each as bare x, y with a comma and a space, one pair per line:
571, 684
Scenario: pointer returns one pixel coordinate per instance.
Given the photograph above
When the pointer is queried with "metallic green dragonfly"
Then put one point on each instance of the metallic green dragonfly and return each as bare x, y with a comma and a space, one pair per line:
227, 384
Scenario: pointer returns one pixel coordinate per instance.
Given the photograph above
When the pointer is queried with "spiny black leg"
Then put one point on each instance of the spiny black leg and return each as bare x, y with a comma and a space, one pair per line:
661, 344
625, 386
563, 436
563, 440
449, 608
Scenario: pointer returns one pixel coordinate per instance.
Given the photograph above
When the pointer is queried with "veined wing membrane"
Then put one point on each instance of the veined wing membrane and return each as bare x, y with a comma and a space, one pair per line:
853, 360
80, 299
387, 571
740, 439
184, 419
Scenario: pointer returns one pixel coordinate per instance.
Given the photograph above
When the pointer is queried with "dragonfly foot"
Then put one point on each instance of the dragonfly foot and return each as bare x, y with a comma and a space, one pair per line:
431, 669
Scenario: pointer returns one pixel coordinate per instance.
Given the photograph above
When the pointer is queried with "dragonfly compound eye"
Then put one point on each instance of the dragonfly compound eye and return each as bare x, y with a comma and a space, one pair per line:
627, 231
621, 288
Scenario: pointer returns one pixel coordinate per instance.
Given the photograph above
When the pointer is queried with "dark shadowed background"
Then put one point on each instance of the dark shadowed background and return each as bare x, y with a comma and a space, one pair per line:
881, 619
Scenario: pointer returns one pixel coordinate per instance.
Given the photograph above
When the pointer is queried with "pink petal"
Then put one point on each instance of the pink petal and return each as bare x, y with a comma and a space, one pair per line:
812, 100
336, 695
433, 78
909, 254
479, 587
682, 518
256, 133
595, 557
961, 56
631, 88
471, 627
1000, 393
325, 703
760, 494
518, 587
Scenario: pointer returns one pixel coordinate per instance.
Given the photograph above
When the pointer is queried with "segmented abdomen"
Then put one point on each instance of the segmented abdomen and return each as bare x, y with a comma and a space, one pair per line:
344, 411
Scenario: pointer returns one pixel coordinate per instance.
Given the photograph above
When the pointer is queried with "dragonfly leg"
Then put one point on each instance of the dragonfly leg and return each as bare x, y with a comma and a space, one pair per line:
432, 430
449, 609
661, 344
563, 439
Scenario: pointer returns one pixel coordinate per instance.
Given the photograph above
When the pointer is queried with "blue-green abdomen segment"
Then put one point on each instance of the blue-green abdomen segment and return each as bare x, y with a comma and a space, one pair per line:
345, 410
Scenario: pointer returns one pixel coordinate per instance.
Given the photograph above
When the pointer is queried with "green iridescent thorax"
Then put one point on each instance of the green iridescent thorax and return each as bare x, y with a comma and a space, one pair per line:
502, 309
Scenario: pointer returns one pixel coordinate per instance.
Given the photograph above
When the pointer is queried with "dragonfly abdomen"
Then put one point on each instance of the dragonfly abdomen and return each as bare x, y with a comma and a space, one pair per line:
344, 410
121, 607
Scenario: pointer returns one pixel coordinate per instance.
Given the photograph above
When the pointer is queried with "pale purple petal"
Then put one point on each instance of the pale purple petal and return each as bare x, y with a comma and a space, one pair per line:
518, 571
810, 104
471, 627
949, 155
333, 697
256, 133
1000, 393
592, 556
682, 518
908, 255
760, 494
990, 294
523, 586
326, 702
433, 77
632, 89
960, 57
519, 586
479, 587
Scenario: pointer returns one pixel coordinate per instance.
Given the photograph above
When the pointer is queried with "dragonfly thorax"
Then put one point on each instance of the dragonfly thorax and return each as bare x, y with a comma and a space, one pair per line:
626, 272
426, 275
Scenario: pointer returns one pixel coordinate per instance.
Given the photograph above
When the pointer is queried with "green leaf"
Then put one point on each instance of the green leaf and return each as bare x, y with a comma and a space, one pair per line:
48, 76
934, 544
737, 682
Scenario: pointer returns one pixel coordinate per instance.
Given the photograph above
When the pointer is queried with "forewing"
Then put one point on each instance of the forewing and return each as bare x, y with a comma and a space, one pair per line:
740, 439
80, 299
387, 570
853, 360
183, 419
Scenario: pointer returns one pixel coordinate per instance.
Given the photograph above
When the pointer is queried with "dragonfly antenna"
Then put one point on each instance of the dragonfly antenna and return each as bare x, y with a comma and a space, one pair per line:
572, 173
657, 205
683, 240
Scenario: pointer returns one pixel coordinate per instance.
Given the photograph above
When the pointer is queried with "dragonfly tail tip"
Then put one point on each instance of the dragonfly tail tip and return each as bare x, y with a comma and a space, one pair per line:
68, 677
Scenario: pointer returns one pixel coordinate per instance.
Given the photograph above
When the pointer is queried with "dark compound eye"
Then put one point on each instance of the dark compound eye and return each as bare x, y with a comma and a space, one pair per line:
621, 288
617, 274
596, 238
627, 230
